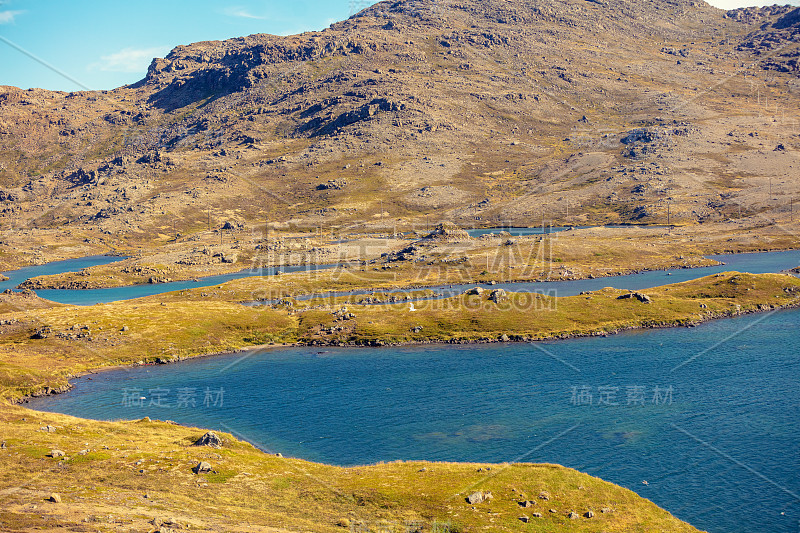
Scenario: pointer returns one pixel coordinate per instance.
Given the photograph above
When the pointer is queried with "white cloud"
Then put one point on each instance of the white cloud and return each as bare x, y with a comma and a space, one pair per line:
7, 17
241, 12
129, 59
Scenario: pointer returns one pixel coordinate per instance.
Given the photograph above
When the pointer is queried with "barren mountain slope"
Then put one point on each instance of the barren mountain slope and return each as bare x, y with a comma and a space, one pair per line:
480, 112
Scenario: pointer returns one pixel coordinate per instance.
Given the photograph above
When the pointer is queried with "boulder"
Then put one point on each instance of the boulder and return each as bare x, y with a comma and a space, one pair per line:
479, 497
637, 295
55, 498
232, 225
475, 291
572, 515
589, 514
56, 453
498, 295
202, 467
209, 439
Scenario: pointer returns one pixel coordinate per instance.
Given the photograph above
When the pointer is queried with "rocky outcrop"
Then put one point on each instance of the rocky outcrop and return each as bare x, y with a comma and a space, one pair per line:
636, 295
210, 439
448, 233
775, 40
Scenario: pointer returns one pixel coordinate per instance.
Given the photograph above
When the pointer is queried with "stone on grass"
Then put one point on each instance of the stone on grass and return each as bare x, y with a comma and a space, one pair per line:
209, 439
56, 453
479, 497
589, 514
202, 467
55, 498
498, 295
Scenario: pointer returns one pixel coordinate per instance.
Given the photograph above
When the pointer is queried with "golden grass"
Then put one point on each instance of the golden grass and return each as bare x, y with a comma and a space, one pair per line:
134, 472
111, 466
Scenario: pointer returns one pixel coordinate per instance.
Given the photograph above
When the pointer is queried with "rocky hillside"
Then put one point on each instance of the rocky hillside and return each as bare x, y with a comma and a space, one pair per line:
476, 111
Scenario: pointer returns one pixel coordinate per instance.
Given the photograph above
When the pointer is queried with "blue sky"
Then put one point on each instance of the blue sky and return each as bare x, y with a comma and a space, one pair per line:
102, 45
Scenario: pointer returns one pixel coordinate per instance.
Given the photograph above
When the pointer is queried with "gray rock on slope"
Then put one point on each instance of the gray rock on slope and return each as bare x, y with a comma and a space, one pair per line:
209, 439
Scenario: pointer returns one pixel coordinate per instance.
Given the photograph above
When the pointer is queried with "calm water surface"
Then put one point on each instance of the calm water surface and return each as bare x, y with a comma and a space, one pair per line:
95, 296
717, 439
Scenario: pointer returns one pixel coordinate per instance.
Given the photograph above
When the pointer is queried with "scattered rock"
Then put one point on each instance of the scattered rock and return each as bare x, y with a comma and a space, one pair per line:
55, 498
572, 515
209, 439
232, 225
202, 467
544, 495
476, 291
48, 428
42, 333
498, 295
639, 296
589, 514
479, 497
166, 524
524, 519
536, 515
56, 453
526, 503
343, 522
332, 185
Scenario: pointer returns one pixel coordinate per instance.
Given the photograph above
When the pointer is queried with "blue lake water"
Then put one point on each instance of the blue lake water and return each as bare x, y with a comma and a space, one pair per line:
708, 416
519, 232
540, 230
95, 296
15, 277
755, 263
